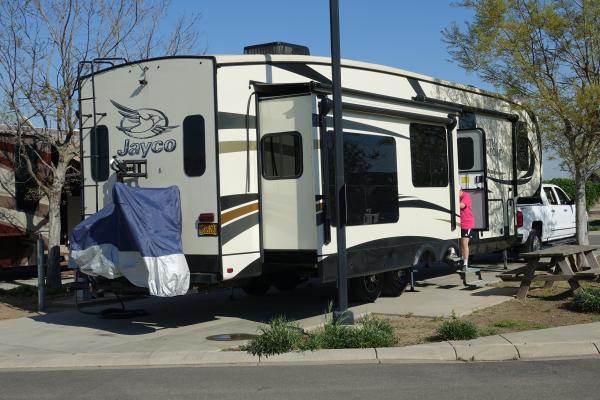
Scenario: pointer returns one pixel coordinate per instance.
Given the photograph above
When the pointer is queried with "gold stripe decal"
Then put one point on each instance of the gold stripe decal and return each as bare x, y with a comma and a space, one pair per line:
235, 146
238, 212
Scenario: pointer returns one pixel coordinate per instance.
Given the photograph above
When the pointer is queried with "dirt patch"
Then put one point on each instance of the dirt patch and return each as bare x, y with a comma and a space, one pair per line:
543, 308
21, 300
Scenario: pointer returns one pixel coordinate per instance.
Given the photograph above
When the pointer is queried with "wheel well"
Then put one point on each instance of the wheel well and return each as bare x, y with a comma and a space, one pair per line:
424, 254
537, 225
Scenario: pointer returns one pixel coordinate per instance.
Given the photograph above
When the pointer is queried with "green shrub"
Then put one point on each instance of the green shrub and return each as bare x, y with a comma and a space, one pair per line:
457, 329
592, 190
282, 336
587, 300
279, 336
374, 332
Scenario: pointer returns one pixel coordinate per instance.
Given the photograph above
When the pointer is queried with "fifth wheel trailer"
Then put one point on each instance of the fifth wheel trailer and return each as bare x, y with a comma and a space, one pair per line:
247, 139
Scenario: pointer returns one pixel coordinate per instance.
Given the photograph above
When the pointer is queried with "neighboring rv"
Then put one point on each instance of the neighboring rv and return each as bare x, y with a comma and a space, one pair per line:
248, 141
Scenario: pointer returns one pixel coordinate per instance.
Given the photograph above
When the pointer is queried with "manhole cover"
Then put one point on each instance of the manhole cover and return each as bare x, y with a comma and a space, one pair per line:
230, 337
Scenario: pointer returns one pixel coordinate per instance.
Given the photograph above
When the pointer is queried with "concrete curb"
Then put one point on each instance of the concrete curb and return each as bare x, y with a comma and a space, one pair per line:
493, 348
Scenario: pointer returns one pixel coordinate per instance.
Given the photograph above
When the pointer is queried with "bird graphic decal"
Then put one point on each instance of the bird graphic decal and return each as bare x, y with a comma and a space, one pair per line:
142, 123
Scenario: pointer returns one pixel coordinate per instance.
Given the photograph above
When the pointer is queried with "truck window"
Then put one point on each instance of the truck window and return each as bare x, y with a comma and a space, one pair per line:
194, 152
428, 155
281, 155
550, 196
562, 197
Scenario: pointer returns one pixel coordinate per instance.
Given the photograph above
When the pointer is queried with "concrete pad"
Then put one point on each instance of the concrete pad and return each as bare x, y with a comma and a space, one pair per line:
442, 351
556, 349
489, 348
323, 357
573, 333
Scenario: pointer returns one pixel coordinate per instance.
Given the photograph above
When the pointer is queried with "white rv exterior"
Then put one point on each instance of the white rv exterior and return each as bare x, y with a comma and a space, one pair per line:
246, 139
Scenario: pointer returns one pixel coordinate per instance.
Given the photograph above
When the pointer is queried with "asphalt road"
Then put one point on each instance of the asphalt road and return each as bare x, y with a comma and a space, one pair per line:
548, 380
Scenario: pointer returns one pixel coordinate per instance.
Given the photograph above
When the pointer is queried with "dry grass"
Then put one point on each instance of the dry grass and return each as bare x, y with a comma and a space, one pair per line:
544, 308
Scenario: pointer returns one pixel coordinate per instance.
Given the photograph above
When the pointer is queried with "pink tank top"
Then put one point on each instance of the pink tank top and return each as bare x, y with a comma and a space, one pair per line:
466, 214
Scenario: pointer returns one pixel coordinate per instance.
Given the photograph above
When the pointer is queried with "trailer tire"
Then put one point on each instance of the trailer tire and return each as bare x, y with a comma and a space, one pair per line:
395, 282
257, 286
365, 289
287, 283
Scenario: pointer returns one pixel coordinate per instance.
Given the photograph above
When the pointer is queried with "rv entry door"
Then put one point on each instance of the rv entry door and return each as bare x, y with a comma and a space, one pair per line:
287, 179
471, 169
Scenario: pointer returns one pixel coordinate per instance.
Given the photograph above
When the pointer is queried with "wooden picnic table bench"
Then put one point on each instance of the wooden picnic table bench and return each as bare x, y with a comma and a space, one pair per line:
570, 263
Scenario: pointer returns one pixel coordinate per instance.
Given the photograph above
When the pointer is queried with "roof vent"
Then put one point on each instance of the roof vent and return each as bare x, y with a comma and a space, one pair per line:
277, 48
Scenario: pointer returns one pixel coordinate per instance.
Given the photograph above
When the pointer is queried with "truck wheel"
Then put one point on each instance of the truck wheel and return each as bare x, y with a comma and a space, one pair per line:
395, 282
534, 243
257, 286
365, 289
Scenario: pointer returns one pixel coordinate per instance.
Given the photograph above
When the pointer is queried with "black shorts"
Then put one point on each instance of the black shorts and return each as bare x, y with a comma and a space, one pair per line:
466, 233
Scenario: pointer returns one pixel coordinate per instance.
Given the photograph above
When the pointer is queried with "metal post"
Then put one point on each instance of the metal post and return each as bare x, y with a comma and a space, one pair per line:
41, 274
341, 314
505, 258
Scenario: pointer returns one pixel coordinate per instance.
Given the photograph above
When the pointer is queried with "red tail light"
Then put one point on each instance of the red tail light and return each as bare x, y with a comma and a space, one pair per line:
206, 218
519, 219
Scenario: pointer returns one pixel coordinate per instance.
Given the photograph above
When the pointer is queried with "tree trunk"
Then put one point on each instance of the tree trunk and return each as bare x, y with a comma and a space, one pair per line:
53, 279
580, 210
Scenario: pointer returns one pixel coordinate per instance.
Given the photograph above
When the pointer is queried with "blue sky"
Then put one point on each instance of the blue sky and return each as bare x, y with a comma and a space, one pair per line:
399, 33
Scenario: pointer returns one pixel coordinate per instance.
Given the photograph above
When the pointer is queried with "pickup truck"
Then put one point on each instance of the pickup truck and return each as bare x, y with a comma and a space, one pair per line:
548, 218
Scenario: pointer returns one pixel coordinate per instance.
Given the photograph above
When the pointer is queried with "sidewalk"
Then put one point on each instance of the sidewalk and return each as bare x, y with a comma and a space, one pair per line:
176, 330
567, 342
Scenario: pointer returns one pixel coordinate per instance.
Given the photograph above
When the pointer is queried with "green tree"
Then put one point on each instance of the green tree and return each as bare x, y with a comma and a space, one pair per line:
546, 55
41, 45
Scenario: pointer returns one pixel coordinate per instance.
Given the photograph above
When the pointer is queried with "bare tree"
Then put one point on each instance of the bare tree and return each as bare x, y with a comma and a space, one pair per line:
41, 44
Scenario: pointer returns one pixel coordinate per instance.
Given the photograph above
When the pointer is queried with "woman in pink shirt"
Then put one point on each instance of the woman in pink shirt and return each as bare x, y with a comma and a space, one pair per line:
467, 223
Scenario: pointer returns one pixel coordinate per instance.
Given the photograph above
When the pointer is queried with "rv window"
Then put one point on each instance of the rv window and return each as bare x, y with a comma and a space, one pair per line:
99, 152
466, 153
523, 152
371, 173
194, 153
281, 155
429, 155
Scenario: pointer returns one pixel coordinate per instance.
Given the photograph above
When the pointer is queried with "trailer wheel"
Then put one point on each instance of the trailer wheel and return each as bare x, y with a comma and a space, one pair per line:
365, 289
287, 283
395, 282
257, 286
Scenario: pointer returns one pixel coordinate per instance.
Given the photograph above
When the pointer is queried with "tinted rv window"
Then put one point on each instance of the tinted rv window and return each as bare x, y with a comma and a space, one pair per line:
523, 152
194, 155
371, 173
466, 153
281, 155
99, 152
429, 155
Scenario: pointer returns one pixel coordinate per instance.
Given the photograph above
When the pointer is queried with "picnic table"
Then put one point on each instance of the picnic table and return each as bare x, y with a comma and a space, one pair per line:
570, 263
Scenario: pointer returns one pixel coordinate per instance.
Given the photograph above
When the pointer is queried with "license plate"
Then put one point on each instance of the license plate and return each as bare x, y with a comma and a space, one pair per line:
207, 229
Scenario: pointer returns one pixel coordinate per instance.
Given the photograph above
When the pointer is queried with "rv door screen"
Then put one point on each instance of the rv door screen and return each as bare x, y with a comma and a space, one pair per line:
287, 187
471, 169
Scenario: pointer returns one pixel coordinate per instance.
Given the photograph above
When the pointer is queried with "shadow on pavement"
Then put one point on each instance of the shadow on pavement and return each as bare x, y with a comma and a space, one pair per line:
311, 299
